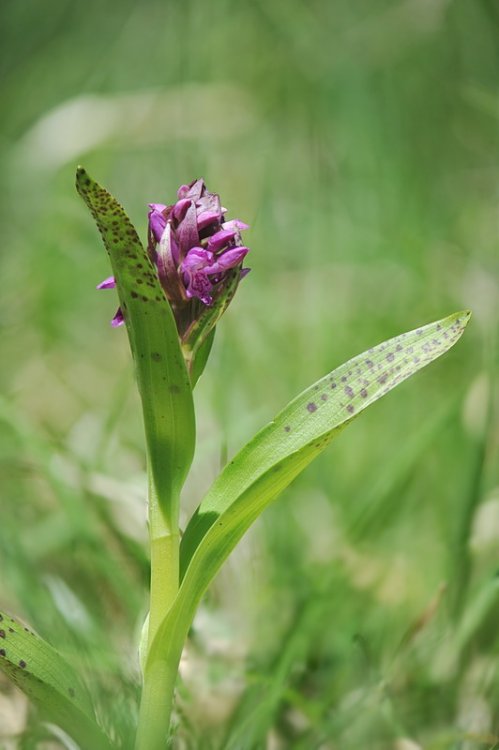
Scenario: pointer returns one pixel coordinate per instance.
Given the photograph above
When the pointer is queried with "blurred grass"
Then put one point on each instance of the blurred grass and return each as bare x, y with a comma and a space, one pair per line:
360, 141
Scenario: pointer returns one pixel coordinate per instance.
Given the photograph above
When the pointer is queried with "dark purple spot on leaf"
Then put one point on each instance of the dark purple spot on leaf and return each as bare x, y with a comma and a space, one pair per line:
382, 378
22, 663
344, 379
287, 428
349, 391
311, 407
363, 393
324, 397
350, 408
333, 385
390, 357
2, 633
2, 652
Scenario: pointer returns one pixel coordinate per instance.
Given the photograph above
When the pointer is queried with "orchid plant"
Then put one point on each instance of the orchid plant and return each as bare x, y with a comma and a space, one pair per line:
172, 294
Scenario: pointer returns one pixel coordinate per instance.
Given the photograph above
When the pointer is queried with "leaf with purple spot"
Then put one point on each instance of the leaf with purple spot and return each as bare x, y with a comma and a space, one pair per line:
162, 377
282, 450
50, 682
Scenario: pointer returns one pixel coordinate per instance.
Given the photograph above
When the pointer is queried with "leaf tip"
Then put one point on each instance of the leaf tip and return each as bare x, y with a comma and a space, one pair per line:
82, 179
463, 318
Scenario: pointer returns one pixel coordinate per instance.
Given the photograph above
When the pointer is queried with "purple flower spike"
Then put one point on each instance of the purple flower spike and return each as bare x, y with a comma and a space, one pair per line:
193, 246
194, 250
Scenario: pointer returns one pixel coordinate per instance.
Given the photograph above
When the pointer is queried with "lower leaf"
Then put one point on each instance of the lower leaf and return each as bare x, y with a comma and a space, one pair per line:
50, 683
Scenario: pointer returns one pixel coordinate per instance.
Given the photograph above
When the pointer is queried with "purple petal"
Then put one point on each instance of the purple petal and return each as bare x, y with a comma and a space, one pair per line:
229, 259
194, 191
167, 261
196, 259
194, 272
206, 218
157, 220
187, 232
182, 191
108, 283
218, 240
118, 319
180, 208
200, 264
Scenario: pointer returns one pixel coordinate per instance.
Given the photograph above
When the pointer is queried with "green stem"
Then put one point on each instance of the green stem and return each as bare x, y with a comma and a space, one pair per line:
159, 677
156, 706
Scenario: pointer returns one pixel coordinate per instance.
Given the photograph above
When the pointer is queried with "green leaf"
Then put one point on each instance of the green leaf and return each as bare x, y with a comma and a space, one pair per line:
50, 682
200, 359
277, 454
304, 427
161, 373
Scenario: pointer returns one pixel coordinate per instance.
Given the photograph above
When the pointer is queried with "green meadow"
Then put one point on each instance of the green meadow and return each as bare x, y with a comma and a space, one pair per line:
360, 142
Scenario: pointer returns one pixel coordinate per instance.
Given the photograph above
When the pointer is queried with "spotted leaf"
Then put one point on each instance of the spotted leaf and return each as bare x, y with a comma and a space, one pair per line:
277, 454
161, 373
50, 682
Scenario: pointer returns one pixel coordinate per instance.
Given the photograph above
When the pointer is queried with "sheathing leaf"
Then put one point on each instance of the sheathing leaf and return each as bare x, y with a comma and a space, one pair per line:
161, 373
281, 451
50, 682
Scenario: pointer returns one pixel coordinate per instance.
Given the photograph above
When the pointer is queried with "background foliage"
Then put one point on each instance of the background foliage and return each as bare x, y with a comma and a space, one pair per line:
360, 141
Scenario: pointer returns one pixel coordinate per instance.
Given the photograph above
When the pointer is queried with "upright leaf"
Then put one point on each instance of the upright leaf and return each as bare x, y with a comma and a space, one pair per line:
161, 373
50, 682
277, 454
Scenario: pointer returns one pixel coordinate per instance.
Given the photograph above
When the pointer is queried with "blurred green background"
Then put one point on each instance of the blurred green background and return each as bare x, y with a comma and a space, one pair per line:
360, 141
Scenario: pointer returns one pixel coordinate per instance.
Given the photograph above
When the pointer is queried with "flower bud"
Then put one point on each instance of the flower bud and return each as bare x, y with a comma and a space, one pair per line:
198, 256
